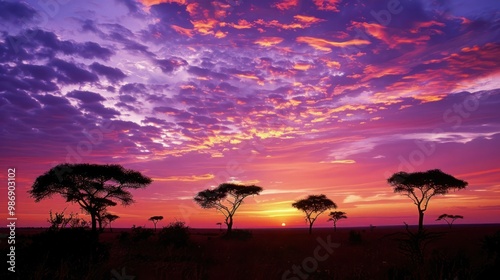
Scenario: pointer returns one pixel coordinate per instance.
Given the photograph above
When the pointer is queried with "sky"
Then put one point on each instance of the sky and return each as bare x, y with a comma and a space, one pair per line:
299, 97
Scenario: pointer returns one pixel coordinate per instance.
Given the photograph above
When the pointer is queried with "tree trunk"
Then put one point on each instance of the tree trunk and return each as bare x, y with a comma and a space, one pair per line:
94, 222
334, 226
110, 229
229, 223
310, 228
420, 220
100, 224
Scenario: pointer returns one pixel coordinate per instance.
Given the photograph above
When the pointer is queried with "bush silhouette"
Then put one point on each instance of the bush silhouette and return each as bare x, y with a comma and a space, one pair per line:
63, 254
140, 233
176, 234
355, 237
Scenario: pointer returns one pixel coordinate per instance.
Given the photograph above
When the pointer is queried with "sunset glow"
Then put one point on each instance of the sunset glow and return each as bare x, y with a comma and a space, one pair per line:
298, 97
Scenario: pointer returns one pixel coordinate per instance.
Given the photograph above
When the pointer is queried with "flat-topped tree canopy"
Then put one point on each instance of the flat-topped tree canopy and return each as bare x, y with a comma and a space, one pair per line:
420, 187
226, 198
313, 206
93, 186
435, 180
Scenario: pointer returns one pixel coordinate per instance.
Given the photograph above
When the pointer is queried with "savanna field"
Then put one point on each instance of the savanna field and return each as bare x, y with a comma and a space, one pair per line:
462, 252
250, 140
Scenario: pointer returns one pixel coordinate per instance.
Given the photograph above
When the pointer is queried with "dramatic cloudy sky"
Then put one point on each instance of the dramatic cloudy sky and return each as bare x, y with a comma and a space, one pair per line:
297, 96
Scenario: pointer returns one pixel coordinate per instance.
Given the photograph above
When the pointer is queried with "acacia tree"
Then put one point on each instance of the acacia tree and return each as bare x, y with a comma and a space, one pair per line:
94, 187
109, 218
452, 218
226, 198
313, 206
155, 220
422, 186
335, 216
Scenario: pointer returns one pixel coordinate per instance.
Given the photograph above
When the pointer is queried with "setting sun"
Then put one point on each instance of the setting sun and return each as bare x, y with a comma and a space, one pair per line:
283, 224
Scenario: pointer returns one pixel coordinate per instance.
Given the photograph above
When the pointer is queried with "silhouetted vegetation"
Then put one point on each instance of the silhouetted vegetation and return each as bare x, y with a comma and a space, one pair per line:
109, 218
60, 221
176, 234
335, 216
94, 187
420, 187
70, 253
491, 245
355, 237
139, 233
226, 198
413, 244
449, 219
155, 220
313, 206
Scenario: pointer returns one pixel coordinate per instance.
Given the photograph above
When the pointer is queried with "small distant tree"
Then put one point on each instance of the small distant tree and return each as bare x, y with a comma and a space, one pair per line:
109, 218
313, 206
155, 220
335, 216
449, 219
420, 187
226, 198
220, 226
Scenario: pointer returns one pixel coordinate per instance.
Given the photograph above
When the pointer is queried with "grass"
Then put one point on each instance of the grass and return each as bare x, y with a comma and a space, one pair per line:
267, 254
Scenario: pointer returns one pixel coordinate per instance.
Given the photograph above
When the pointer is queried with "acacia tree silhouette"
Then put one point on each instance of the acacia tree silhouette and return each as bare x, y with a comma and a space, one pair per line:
452, 218
335, 216
422, 186
109, 218
313, 206
155, 220
226, 198
94, 187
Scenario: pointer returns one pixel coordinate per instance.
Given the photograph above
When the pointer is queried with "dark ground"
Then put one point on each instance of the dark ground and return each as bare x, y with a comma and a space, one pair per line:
362, 253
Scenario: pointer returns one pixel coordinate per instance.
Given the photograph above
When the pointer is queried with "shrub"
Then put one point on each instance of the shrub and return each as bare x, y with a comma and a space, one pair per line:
355, 237
176, 234
66, 253
491, 244
140, 233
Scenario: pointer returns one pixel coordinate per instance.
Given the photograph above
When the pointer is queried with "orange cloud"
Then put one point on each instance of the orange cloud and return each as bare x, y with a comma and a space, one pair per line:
374, 29
249, 76
300, 22
302, 66
327, 5
331, 63
392, 40
192, 178
219, 34
325, 45
242, 24
149, 3
286, 4
192, 8
373, 72
205, 27
268, 41
308, 19
182, 31
277, 24
426, 24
